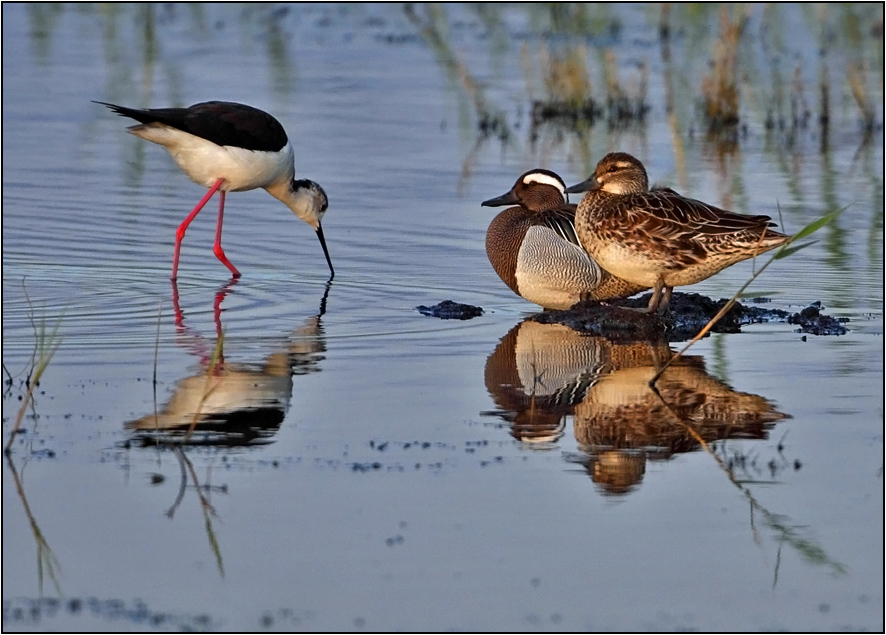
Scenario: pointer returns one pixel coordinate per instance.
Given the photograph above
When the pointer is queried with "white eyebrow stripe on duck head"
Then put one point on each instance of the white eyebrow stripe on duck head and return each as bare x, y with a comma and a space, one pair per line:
544, 179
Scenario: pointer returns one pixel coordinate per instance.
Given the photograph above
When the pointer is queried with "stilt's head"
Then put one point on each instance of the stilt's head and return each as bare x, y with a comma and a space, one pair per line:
309, 202
536, 190
616, 173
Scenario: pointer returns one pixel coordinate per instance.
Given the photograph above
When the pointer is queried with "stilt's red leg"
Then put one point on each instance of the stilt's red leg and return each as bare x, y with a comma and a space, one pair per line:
180, 232
219, 252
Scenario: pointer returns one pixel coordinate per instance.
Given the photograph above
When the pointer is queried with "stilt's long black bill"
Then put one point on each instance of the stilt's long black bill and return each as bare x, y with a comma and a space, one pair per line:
325, 250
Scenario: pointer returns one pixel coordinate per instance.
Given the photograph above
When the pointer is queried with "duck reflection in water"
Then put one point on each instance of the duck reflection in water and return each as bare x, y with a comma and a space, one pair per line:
541, 373
228, 403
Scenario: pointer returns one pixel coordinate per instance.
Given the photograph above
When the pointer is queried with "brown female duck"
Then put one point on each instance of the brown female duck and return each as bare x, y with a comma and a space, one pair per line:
658, 238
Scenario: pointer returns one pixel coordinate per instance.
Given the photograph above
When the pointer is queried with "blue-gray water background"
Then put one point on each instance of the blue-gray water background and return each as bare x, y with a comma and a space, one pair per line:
399, 490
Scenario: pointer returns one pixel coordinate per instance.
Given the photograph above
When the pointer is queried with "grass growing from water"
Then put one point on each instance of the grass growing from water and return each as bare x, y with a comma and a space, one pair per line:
569, 98
786, 250
433, 26
857, 86
719, 88
46, 343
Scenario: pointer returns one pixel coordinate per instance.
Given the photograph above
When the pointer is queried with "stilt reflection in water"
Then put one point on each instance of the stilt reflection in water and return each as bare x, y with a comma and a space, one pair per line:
228, 403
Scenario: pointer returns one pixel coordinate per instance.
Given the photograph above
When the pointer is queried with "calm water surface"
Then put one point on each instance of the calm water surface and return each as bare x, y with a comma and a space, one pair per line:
359, 466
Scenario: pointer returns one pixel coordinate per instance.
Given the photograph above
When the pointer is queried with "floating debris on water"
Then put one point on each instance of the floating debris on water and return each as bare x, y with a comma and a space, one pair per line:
449, 310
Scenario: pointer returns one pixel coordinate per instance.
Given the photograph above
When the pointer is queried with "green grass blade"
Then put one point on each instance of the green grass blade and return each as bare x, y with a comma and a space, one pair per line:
815, 225
790, 248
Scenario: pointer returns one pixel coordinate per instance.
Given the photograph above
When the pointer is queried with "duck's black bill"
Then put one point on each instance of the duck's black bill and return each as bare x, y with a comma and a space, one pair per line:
505, 199
325, 250
584, 186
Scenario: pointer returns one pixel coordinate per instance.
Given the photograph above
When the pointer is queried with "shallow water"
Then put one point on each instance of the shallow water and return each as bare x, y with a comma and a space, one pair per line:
404, 472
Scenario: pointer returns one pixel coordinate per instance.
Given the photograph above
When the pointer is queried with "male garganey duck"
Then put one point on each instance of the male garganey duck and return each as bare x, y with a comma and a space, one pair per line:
534, 249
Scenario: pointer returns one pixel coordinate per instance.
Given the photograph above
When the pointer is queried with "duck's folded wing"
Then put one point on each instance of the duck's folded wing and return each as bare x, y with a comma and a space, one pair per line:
666, 214
560, 220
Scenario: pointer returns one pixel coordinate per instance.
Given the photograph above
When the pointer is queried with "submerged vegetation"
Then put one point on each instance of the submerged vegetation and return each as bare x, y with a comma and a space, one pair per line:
720, 88
575, 69
568, 97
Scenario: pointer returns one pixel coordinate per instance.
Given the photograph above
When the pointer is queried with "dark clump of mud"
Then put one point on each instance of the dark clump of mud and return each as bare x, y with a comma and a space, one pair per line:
686, 315
616, 323
449, 310
812, 320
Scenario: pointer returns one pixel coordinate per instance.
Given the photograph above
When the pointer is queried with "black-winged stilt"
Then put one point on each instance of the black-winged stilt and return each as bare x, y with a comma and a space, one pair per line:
230, 147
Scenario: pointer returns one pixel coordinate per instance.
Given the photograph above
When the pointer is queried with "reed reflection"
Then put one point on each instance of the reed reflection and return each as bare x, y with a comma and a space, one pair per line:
232, 403
47, 563
540, 374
